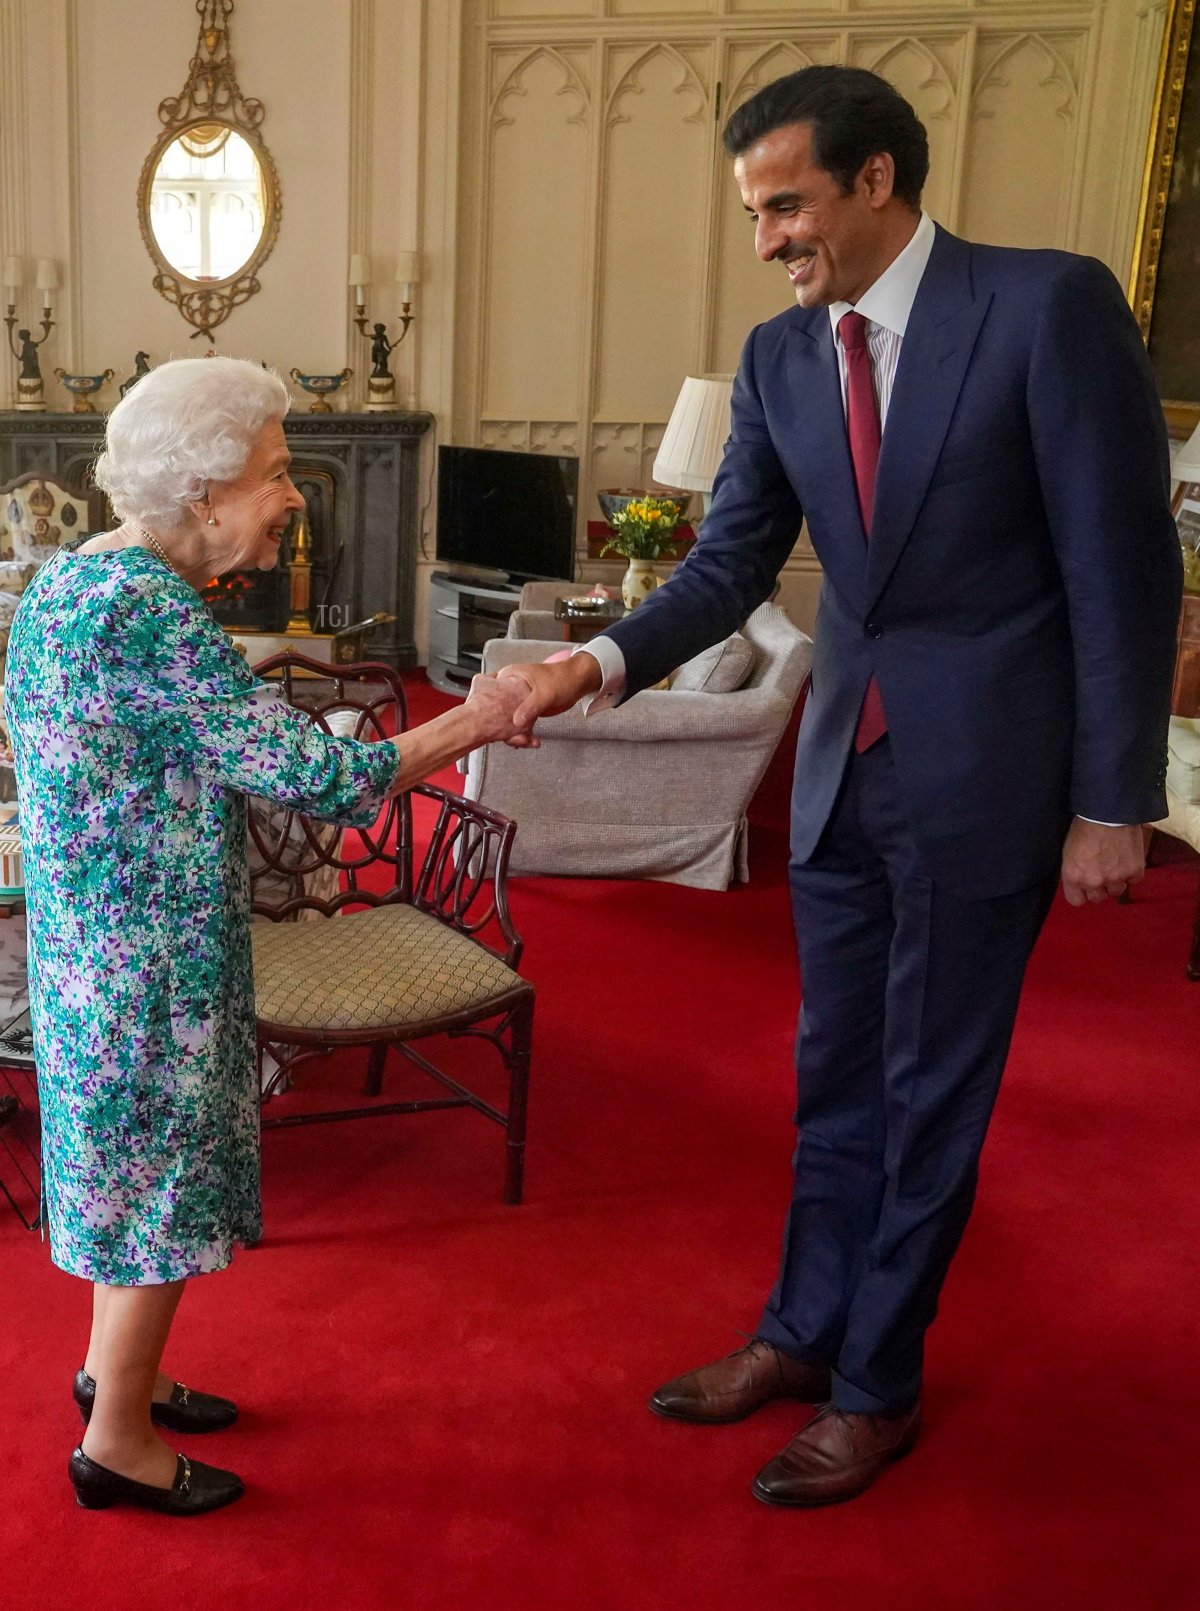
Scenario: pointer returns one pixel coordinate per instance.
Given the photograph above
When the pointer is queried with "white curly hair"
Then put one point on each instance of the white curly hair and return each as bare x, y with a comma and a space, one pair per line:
186, 423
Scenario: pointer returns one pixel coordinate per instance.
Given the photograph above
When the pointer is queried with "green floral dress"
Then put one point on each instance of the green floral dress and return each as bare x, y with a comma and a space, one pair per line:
138, 731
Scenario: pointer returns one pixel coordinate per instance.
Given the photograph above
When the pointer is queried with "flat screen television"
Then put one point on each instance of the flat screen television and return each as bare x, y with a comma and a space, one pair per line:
508, 512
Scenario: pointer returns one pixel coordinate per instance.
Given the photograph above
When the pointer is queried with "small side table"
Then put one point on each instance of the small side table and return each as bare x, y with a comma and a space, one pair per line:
581, 624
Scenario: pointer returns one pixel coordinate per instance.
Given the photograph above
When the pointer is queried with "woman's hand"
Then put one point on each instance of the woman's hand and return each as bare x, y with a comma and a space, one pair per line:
488, 716
494, 702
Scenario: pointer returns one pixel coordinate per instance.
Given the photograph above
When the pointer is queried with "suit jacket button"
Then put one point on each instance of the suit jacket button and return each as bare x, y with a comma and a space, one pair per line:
873, 629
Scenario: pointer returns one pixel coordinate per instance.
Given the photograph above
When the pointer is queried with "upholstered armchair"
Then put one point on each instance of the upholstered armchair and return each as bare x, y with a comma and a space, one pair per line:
657, 788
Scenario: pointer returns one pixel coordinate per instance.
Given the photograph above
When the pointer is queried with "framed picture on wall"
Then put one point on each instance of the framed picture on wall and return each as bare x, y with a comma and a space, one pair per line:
1166, 266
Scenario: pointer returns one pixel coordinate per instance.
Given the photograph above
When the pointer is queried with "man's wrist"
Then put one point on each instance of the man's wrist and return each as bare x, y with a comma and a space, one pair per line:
587, 673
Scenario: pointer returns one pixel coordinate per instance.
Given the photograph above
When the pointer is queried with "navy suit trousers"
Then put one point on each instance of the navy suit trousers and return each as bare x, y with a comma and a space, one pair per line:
909, 999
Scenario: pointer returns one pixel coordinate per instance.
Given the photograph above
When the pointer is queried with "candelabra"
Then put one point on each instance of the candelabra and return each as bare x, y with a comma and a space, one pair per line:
381, 384
30, 394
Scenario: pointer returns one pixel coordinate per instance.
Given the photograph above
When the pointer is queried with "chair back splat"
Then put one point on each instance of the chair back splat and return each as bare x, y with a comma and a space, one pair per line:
365, 701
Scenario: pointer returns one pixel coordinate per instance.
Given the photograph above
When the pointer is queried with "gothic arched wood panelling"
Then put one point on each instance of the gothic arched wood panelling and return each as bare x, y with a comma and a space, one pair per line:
533, 267
658, 134
1025, 107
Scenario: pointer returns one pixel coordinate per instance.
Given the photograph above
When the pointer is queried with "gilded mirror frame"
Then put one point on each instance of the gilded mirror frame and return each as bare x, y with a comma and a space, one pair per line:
211, 96
1168, 139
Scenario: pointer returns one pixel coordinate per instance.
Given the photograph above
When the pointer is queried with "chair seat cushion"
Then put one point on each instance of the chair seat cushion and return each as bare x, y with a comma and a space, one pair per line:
385, 968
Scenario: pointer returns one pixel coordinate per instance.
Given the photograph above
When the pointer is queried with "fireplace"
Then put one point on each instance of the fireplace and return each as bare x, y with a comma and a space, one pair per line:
359, 475
252, 601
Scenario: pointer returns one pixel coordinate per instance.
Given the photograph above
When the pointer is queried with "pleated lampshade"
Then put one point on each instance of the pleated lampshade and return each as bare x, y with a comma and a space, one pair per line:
696, 433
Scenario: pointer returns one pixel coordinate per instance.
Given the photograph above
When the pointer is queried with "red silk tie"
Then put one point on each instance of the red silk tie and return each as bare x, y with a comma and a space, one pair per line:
862, 427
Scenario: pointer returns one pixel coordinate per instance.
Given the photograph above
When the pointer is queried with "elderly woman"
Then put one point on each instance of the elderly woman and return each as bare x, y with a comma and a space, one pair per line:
138, 732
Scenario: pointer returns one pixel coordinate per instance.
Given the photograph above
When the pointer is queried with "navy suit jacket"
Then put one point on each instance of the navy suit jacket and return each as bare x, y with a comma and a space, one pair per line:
1019, 595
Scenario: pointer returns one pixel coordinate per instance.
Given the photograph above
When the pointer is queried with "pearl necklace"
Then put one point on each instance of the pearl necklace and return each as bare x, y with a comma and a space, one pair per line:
154, 545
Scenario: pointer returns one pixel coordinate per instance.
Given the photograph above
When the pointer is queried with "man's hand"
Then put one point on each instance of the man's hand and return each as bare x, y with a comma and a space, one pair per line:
1099, 861
550, 688
494, 707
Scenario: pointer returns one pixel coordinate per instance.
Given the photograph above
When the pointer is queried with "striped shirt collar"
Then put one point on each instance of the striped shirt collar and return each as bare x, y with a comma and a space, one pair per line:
889, 302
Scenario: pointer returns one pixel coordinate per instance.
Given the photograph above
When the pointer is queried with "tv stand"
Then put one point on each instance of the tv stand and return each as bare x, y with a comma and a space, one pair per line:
463, 614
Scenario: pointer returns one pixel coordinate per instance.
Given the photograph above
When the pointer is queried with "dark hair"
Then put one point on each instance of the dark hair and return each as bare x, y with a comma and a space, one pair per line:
854, 115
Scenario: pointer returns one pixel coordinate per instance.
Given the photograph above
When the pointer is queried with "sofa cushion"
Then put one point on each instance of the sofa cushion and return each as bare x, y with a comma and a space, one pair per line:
1183, 758
719, 670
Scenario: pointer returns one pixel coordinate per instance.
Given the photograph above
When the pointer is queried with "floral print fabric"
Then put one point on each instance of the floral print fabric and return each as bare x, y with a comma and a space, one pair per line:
138, 730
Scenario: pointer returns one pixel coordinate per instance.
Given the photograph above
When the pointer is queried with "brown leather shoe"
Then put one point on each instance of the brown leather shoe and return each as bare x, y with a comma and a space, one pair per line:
837, 1456
736, 1386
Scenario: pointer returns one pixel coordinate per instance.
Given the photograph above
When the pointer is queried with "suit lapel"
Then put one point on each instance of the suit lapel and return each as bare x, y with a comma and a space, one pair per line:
822, 448
938, 343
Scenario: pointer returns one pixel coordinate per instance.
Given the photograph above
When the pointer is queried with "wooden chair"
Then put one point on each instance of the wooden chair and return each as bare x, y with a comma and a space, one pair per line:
399, 953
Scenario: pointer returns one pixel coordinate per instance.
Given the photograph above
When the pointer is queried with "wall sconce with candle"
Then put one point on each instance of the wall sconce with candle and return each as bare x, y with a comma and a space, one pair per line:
381, 385
30, 395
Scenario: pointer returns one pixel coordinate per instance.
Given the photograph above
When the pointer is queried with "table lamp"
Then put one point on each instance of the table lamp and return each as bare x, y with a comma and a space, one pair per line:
695, 437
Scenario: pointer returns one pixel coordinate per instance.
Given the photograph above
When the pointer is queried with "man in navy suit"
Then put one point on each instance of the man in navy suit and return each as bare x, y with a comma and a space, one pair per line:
973, 436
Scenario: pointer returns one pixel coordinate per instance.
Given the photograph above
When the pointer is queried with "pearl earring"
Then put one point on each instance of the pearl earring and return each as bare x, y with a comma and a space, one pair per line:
212, 520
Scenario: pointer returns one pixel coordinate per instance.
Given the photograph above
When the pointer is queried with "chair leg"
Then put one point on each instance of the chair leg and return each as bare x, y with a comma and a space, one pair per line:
1193, 971
374, 1080
517, 1060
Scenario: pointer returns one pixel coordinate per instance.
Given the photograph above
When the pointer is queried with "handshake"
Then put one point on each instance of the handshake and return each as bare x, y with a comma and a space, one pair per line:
505, 706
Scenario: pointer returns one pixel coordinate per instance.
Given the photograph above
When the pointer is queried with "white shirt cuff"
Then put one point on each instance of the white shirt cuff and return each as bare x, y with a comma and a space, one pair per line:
612, 668
1100, 824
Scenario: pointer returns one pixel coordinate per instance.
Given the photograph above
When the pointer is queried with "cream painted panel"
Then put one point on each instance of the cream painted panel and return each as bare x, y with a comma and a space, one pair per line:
660, 8
532, 245
615, 460
1024, 120
514, 9
659, 135
928, 73
746, 290
622, 455
772, 8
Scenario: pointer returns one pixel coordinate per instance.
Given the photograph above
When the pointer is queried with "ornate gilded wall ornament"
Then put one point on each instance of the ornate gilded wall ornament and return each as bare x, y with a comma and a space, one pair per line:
209, 201
1162, 283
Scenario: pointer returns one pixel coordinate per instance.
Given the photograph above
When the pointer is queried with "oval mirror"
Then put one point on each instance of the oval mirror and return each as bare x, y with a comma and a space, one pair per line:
208, 203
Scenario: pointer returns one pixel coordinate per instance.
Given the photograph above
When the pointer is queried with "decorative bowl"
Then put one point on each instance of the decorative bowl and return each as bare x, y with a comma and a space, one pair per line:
319, 385
613, 499
82, 387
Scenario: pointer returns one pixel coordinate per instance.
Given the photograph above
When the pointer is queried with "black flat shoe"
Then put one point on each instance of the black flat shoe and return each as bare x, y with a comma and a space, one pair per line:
196, 1488
184, 1411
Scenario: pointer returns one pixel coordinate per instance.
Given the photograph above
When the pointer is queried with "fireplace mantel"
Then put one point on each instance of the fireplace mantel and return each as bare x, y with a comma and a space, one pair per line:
360, 474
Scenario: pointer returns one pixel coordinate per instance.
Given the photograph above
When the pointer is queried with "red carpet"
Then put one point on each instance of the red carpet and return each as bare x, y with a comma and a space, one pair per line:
443, 1398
